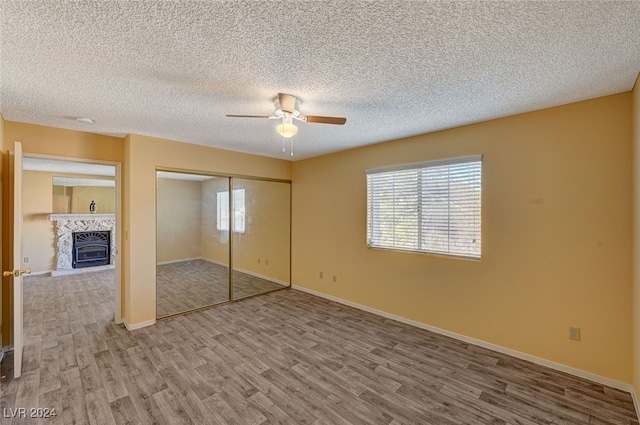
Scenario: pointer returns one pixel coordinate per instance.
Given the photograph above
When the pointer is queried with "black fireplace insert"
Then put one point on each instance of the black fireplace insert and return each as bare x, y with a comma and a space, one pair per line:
91, 249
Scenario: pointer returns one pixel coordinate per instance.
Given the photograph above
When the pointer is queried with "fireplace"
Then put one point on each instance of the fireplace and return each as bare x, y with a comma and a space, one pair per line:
91, 249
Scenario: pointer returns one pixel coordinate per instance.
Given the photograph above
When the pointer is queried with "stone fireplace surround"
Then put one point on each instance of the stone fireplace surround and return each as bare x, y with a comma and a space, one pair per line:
66, 224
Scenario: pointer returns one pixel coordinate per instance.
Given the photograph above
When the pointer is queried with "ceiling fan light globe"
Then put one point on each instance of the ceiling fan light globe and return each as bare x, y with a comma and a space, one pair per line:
287, 130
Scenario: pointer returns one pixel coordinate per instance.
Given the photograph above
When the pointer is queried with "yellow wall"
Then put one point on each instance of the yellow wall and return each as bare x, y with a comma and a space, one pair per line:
142, 155
264, 247
103, 196
187, 228
38, 235
556, 217
636, 232
46, 141
59, 142
556, 228
178, 220
215, 243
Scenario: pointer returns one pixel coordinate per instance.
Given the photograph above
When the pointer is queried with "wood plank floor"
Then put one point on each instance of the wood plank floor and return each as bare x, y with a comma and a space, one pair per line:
192, 284
284, 357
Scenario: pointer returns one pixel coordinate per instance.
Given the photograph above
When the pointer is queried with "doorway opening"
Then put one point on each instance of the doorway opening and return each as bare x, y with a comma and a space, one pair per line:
72, 195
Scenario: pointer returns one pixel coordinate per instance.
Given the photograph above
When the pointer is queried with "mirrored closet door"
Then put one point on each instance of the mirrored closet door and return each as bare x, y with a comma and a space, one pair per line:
261, 236
218, 239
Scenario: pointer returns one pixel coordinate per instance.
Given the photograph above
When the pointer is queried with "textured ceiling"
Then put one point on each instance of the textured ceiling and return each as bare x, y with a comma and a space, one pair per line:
394, 68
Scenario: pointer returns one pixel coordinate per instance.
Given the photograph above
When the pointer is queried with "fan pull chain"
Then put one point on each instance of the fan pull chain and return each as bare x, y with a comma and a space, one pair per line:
291, 142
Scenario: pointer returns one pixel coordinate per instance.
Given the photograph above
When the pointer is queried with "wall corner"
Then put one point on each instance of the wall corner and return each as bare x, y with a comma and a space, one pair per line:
635, 135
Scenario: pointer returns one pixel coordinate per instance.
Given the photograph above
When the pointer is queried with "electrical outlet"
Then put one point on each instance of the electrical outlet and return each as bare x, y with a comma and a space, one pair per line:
335, 278
574, 334
26, 259
321, 275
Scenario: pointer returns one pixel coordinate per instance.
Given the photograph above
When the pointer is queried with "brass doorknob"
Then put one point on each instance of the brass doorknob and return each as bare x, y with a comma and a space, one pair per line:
16, 273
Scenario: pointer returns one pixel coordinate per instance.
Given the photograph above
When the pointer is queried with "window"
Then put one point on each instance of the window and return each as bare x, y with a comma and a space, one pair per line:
222, 222
431, 207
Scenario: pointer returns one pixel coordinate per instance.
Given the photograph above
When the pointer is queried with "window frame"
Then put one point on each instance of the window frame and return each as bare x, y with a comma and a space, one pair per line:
223, 225
421, 244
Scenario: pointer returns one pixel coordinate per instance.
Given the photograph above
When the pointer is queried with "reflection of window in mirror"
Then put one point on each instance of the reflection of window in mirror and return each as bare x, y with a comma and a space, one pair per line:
222, 221
73, 195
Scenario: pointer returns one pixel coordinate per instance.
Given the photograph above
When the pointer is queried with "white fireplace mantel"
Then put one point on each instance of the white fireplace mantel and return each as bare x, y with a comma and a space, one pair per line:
89, 217
66, 224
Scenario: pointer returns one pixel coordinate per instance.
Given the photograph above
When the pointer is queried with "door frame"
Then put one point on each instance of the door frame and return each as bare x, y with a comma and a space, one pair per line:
16, 263
118, 317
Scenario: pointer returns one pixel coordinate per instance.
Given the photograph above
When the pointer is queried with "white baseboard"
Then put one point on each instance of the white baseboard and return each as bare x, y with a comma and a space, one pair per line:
40, 273
524, 356
264, 277
220, 263
140, 325
249, 272
181, 260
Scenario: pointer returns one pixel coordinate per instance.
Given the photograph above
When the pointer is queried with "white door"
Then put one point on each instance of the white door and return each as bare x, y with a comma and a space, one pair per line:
17, 272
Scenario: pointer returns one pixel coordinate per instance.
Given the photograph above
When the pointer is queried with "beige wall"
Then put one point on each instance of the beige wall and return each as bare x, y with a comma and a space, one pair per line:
103, 196
636, 232
215, 243
38, 238
178, 220
59, 142
46, 141
142, 155
186, 219
38, 235
556, 228
126, 212
556, 236
264, 247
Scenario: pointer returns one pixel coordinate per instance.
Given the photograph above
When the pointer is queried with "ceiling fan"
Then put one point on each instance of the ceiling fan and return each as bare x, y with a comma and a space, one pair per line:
286, 110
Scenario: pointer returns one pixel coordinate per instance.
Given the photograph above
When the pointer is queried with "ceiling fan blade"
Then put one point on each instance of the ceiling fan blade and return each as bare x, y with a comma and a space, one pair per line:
249, 116
325, 120
287, 102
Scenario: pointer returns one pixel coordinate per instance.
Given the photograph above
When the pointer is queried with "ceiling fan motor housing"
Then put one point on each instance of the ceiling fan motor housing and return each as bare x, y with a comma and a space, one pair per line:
291, 102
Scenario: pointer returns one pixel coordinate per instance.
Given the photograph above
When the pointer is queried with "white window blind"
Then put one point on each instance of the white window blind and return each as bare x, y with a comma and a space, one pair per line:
222, 218
429, 207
